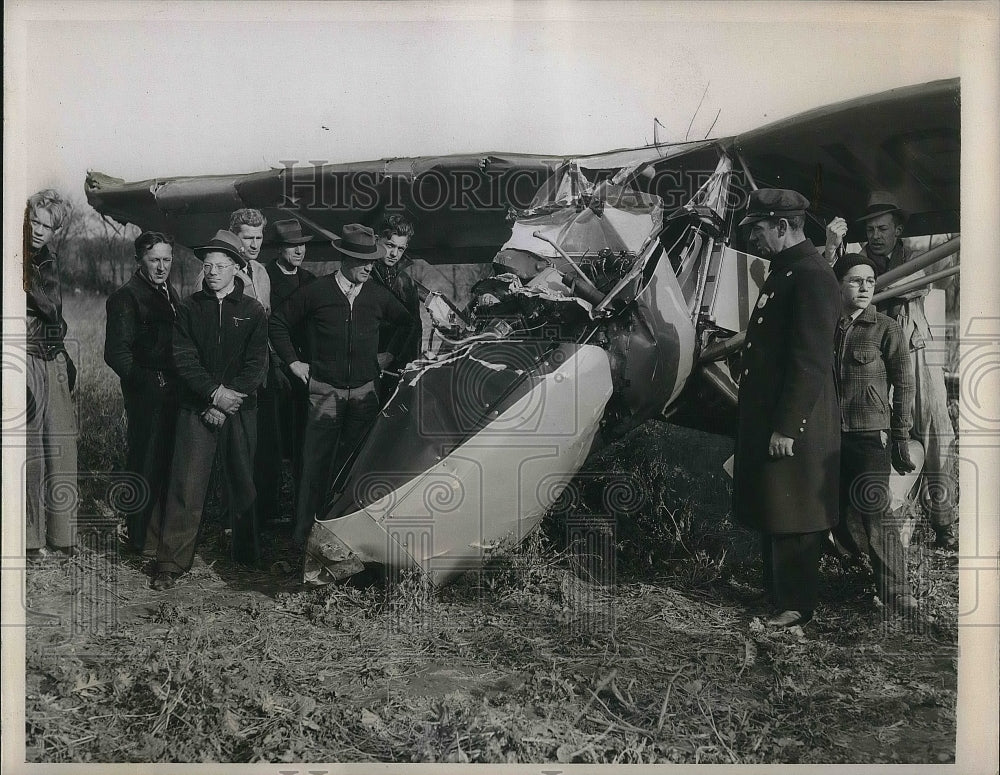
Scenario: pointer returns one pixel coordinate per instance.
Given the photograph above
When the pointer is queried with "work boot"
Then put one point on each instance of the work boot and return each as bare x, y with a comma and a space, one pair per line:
947, 537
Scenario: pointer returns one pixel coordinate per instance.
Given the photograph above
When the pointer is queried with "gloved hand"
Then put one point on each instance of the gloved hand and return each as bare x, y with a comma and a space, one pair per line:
901, 456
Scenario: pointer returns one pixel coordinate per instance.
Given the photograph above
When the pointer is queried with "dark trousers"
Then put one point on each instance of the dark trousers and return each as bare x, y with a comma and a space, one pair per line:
791, 568
293, 411
864, 506
338, 418
267, 460
152, 417
196, 448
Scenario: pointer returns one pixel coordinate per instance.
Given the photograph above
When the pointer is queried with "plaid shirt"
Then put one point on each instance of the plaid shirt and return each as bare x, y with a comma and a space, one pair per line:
871, 356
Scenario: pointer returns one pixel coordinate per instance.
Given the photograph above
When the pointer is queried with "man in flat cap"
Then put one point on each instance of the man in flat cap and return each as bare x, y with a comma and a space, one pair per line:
787, 462
220, 352
291, 402
884, 222
342, 313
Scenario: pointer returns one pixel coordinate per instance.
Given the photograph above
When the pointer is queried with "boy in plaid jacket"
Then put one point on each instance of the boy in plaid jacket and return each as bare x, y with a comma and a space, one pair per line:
872, 356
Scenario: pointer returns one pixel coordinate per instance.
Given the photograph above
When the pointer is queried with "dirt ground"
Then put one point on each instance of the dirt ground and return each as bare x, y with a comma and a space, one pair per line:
666, 660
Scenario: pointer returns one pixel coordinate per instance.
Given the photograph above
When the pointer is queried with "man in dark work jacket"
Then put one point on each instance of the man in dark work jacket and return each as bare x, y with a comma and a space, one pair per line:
786, 476
292, 401
137, 346
393, 273
220, 350
342, 313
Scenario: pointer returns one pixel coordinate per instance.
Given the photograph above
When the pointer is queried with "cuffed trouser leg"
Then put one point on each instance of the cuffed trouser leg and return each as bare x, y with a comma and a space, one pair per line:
864, 506
338, 418
51, 491
190, 472
319, 447
791, 569
932, 426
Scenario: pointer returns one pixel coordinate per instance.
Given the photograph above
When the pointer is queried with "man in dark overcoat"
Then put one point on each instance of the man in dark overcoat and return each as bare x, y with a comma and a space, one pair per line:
137, 346
787, 459
291, 398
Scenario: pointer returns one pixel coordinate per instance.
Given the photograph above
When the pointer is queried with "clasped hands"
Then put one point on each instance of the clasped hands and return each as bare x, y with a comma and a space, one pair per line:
225, 403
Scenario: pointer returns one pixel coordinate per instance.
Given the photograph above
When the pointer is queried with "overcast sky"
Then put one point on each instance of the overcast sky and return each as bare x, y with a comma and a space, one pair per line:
240, 87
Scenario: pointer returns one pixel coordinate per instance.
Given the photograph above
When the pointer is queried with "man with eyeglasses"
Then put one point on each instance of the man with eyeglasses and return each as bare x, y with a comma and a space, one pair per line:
872, 357
220, 352
884, 223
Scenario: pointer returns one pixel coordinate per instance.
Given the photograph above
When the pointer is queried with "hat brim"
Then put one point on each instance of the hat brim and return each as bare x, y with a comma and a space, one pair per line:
231, 252
379, 253
294, 240
752, 219
879, 213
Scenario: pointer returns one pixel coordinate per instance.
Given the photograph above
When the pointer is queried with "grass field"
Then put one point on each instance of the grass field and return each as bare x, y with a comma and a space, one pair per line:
523, 662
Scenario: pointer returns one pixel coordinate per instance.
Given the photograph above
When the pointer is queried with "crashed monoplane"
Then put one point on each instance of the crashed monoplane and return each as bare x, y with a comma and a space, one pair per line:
620, 288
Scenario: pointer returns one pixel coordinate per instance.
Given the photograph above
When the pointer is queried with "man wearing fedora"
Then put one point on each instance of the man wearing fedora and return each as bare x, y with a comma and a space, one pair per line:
291, 401
884, 222
341, 313
787, 461
248, 225
220, 353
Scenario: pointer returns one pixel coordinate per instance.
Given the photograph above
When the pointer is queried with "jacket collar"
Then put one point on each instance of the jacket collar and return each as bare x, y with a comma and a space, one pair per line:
235, 295
145, 282
388, 274
867, 315
796, 252
40, 256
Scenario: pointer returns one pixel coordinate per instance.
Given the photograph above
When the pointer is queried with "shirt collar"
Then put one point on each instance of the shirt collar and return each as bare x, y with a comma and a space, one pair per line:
350, 289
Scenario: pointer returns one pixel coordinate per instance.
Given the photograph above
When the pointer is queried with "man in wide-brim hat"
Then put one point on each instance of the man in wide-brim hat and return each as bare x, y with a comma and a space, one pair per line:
884, 221
282, 436
341, 314
220, 352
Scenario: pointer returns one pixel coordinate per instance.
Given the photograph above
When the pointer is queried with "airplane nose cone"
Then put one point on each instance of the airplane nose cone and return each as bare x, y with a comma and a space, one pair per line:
470, 452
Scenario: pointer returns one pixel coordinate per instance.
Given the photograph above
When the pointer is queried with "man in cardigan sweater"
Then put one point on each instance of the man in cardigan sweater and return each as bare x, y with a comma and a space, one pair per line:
342, 314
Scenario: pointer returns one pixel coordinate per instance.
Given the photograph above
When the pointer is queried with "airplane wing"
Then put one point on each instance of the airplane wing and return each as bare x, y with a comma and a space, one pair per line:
906, 141
459, 203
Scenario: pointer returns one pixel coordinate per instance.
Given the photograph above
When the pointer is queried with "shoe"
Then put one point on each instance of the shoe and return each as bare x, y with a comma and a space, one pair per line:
790, 619
947, 538
165, 580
